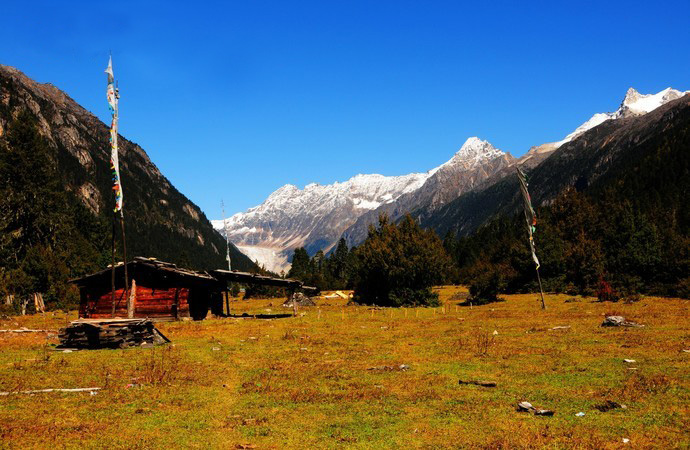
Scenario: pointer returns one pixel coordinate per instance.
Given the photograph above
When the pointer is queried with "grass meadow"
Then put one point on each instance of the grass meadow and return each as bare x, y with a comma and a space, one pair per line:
332, 378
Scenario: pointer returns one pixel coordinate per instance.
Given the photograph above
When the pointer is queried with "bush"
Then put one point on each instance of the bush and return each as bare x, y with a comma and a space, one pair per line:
682, 289
486, 285
605, 293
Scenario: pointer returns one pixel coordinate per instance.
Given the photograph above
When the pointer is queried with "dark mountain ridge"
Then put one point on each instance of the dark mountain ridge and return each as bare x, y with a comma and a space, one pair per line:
160, 220
609, 153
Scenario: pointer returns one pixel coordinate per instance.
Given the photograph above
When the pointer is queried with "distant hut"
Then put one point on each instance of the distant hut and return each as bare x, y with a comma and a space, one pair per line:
158, 290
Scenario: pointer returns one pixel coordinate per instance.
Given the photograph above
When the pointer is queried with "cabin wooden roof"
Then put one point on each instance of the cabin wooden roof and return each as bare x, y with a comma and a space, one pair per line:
162, 271
149, 267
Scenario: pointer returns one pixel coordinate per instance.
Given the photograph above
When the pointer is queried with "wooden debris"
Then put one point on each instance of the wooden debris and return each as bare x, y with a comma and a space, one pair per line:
110, 333
26, 330
40, 391
479, 383
401, 367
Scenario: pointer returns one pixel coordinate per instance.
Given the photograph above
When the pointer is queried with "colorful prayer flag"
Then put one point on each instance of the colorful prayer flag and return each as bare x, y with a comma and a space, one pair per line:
530, 215
113, 98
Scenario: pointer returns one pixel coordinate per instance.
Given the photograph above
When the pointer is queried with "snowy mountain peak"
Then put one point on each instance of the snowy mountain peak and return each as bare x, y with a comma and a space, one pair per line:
634, 104
472, 152
631, 96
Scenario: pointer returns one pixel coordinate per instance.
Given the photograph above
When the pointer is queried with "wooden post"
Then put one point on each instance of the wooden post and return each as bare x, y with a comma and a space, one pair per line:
541, 291
227, 302
131, 300
112, 272
176, 304
39, 306
124, 249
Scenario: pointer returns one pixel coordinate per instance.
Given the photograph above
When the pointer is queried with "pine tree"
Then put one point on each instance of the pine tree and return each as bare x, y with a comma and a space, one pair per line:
398, 265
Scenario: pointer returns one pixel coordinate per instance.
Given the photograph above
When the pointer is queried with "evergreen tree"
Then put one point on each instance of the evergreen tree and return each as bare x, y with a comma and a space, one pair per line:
398, 265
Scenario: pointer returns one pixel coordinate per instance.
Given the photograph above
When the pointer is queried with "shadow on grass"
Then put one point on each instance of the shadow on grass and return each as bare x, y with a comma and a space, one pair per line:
257, 316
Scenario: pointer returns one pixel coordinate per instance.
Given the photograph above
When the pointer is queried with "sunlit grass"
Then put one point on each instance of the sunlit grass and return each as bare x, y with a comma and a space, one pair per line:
316, 380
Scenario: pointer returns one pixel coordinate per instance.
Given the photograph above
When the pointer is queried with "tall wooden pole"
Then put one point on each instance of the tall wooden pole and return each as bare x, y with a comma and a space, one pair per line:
112, 275
541, 291
124, 249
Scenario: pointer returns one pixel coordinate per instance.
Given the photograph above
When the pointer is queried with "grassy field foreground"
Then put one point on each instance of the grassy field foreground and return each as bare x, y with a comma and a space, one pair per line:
332, 378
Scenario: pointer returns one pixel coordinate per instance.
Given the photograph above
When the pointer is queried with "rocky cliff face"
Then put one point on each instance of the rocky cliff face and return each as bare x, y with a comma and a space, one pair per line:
160, 220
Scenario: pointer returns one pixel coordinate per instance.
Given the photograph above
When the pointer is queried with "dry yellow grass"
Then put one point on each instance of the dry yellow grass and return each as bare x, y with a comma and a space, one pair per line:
306, 382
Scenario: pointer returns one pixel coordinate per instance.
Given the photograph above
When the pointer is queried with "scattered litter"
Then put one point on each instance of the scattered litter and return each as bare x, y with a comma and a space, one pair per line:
619, 321
40, 391
686, 350
630, 361
580, 414
404, 367
245, 446
495, 333
215, 349
67, 351
479, 383
626, 440
563, 327
304, 349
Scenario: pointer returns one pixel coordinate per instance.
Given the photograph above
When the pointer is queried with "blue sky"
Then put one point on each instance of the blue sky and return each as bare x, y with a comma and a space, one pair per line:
234, 99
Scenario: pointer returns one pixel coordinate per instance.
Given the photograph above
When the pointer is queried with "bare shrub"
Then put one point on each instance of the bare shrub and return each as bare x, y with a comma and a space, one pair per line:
161, 365
483, 341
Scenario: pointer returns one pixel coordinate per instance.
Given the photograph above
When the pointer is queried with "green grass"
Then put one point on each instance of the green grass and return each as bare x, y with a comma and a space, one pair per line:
305, 382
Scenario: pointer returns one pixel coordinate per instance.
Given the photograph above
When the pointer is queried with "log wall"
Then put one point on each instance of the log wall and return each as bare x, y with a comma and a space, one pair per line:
149, 302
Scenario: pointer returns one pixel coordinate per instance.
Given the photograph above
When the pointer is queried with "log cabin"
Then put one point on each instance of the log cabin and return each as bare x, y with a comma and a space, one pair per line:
157, 290
163, 291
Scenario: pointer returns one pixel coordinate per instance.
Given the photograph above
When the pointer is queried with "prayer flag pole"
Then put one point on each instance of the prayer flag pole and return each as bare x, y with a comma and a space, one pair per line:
531, 218
113, 96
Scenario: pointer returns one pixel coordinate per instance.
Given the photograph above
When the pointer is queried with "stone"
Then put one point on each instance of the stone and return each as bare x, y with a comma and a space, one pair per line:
618, 321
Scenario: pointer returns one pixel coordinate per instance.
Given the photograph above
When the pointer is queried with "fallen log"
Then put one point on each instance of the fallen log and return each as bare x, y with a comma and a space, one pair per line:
23, 330
40, 391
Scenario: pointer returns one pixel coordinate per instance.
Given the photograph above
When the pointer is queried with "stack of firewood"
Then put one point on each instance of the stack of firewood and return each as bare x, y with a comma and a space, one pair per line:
110, 333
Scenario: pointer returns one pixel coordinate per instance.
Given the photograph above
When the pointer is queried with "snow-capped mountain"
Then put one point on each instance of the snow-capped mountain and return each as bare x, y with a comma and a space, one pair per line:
634, 104
476, 163
316, 217
313, 217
